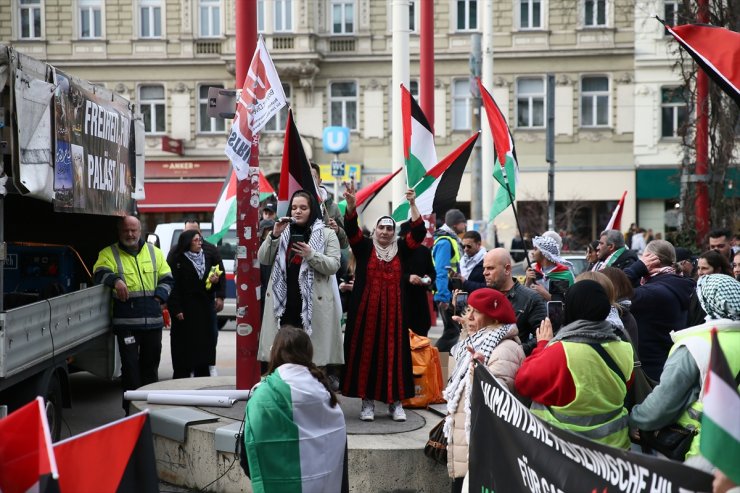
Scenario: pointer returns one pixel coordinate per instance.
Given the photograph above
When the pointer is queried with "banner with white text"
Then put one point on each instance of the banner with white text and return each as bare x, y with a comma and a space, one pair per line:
92, 165
511, 450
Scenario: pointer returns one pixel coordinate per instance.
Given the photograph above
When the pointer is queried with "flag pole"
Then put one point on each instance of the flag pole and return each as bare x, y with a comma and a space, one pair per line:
516, 216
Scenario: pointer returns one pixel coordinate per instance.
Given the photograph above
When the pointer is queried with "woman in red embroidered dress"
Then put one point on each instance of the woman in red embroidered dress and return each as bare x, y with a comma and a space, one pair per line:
377, 354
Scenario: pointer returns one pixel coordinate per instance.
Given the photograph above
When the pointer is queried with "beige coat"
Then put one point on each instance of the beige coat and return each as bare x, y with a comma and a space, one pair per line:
325, 323
505, 360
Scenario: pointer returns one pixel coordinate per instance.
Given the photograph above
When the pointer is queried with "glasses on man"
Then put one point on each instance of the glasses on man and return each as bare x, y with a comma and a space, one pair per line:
465, 247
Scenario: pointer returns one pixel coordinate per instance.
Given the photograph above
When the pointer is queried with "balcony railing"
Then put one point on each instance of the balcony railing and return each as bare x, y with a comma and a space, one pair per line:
207, 47
282, 43
341, 45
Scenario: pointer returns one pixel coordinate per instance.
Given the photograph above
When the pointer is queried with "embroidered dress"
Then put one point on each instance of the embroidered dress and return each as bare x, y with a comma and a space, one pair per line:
377, 353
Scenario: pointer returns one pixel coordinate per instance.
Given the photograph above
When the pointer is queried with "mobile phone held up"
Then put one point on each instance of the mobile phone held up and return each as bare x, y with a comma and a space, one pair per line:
555, 314
296, 238
461, 302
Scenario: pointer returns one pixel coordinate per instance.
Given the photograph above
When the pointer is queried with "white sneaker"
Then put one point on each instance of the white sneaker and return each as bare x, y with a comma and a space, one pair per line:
368, 410
395, 410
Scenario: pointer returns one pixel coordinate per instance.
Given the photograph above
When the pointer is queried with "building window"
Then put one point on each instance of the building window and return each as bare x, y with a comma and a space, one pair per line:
343, 104
206, 124
530, 103
150, 13
342, 16
260, 16
530, 14
283, 15
210, 18
674, 111
152, 106
278, 122
594, 13
670, 14
467, 15
91, 19
30, 19
461, 104
412, 15
595, 102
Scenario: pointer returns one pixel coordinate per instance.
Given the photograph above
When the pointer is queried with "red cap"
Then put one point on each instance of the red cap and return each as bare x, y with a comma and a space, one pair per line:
494, 304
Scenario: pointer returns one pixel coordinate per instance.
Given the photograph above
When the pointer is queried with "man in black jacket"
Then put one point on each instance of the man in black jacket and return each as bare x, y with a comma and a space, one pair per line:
612, 251
471, 263
529, 306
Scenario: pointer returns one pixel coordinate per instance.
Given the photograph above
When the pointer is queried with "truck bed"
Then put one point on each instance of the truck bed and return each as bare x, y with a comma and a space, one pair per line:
33, 334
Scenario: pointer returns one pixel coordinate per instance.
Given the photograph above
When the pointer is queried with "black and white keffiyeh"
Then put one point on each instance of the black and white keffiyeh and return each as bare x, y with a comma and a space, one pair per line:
483, 341
550, 249
719, 296
305, 275
199, 262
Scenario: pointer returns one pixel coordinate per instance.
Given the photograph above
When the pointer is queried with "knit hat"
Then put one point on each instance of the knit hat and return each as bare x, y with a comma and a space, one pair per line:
683, 254
453, 217
550, 249
586, 300
494, 304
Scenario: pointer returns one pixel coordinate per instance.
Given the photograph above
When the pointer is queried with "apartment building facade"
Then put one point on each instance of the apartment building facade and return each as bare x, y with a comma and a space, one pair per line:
334, 59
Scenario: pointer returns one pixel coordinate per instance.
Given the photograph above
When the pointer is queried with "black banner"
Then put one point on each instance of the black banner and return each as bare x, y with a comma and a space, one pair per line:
511, 450
93, 168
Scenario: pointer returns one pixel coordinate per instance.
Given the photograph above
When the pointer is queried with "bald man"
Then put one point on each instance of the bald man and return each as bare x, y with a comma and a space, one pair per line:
529, 306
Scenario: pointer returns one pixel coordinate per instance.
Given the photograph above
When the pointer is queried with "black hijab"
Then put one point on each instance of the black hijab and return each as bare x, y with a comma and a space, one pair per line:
315, 214
586, 300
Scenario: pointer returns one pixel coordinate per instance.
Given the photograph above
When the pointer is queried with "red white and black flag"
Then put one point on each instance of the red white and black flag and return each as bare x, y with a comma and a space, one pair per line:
26, 456
716, 50
295, 173
117, 457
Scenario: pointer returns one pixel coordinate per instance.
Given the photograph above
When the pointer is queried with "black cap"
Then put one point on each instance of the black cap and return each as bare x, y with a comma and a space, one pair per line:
683, 254
269, 207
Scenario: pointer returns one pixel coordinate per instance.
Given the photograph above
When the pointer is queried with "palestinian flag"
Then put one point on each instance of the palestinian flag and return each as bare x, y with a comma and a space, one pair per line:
26, 457
294, 439
716, 50
266, 190
560, 273
225, 213
117, 457
437, 191
615, 222
295, 173
418, 140
504, 155
365, 195
720, 426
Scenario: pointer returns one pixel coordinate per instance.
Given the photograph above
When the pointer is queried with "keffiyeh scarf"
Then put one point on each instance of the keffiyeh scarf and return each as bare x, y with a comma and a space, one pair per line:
305, 275
483, 341
199, 262
467, 264
719, 296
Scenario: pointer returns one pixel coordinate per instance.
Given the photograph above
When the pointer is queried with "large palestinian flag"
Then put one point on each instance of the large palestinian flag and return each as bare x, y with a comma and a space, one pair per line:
117, 457
720, 424
294, 439
26, 457
437, 191
716, 50
418, 140
504, 155
295, 173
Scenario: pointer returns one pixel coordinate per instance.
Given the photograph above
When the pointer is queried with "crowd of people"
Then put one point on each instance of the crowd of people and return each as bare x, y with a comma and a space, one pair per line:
338, 304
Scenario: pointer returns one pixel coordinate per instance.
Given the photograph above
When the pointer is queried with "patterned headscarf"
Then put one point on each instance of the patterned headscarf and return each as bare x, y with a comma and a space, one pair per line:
719, 295
550, 249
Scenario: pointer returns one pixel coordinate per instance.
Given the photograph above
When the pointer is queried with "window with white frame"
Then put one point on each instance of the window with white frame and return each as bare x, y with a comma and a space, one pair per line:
150, 18
594, 13
283, 15
342, 16
277, 123
595, 101
152, 107
343, 104
461, 104
206, 124
530, 102
670, 14
210, 18
260, 16
530, 14
467, 15
91, 19
29, 15
674, 111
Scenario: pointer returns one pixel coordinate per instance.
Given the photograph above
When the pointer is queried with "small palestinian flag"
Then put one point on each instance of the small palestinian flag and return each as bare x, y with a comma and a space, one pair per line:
365, 195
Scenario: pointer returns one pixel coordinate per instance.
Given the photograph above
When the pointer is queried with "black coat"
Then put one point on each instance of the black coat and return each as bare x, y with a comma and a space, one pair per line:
416, 314
475, 280
627, 258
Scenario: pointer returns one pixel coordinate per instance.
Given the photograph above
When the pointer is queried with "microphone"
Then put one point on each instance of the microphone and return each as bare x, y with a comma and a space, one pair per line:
290, 220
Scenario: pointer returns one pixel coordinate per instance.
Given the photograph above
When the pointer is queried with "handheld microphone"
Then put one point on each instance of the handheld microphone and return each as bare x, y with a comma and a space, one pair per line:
290, 220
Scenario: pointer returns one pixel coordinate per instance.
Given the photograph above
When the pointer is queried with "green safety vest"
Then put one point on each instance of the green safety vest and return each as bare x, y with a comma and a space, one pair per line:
455, 259
597, 412
699, 345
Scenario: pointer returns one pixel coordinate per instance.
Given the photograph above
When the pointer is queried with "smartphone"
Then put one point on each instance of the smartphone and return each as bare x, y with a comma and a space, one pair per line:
461, 302
555, 314
295, 238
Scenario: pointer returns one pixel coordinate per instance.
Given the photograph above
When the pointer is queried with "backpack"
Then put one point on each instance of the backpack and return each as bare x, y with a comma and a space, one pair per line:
427, 370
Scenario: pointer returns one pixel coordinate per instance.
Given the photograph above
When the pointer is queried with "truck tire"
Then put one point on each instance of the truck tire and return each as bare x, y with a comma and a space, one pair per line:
53, 405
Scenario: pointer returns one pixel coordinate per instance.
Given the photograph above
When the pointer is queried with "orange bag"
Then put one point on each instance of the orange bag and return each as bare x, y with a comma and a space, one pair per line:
427, 369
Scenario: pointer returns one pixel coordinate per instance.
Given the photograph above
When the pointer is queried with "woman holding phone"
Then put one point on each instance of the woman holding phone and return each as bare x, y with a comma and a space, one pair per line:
302, 291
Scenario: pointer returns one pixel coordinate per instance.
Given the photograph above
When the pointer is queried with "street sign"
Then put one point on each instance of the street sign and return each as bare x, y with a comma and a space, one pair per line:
337, 168
336, 140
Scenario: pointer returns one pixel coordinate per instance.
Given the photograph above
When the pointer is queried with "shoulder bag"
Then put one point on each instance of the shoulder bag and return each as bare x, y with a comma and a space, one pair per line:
436, 447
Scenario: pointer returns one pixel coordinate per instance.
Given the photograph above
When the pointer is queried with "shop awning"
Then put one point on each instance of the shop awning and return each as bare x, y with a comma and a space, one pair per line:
666, 183
180, 196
